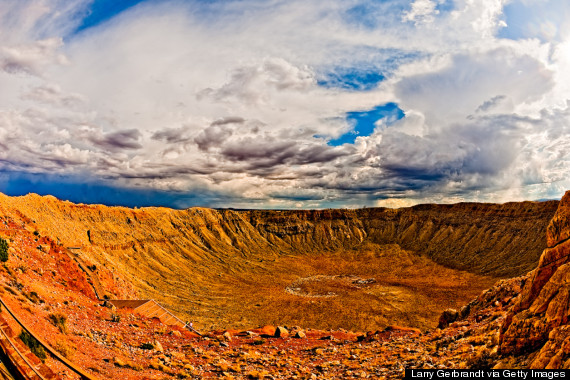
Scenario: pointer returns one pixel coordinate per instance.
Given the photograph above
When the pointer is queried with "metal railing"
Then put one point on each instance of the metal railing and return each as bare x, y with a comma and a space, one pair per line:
21, 355
48, 348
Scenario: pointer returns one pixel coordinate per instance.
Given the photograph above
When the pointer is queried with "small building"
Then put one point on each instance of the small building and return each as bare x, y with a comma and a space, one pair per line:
149, 309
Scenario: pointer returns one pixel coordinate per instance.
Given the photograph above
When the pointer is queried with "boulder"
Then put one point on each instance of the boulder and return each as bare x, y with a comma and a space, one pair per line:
281, 332
157, 346
268, 330
300, 334
448, 316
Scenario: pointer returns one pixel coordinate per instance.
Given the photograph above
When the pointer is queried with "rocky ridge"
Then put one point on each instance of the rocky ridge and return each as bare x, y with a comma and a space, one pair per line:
539, 319
502, 240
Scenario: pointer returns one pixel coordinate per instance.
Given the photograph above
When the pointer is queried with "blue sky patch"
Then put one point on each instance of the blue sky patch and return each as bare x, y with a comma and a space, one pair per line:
540, 20
445, 7
81, 190
364, 122
364, 76
103, 10
352, 79
371, 14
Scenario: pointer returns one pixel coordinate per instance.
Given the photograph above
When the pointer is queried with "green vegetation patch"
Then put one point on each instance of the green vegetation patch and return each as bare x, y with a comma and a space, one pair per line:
33, 344
59, 321
147, 346
3, 250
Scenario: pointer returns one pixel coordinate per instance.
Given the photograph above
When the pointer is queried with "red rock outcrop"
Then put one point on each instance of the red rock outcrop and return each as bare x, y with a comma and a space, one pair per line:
539, 320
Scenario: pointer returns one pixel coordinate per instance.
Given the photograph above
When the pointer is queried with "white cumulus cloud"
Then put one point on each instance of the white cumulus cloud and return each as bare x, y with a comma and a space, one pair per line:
228, 99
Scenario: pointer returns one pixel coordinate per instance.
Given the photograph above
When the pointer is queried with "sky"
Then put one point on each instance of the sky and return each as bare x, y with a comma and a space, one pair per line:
285, 103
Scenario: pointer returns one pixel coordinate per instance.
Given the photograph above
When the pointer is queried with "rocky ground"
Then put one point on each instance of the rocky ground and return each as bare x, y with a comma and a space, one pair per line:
111, 343
207, 265
517, 323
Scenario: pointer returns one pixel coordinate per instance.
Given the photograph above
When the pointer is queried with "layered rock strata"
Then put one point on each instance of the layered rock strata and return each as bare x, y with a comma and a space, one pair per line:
539, 320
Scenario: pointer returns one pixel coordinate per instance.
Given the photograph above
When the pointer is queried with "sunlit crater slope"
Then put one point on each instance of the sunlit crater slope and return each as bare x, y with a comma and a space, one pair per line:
354, 269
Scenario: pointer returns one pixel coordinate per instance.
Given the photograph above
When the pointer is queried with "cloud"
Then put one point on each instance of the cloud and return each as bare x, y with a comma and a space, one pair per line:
172, 135
467, 80
241, 99
491, 103
228, 120
65, 154
31, 58
213, 136
25, 21
252, 85
52, 94
421, 11
125, 139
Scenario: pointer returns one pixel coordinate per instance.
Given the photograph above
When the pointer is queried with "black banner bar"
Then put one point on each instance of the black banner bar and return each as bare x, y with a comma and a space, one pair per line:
430, 374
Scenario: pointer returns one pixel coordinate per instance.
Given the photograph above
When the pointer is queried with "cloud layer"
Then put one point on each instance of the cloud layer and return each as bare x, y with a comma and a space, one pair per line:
234, 103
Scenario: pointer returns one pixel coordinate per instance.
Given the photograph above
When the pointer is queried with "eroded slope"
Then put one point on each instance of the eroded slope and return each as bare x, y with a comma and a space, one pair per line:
232, 268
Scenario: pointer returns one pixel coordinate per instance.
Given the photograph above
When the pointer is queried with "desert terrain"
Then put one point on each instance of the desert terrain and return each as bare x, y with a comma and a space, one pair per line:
287, 294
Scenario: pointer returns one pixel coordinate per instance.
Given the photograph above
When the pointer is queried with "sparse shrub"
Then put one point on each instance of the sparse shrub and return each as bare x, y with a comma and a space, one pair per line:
147, 346
10, 290
14, 283
33, 345
66, 349
257, 374
132, 365
483, 360
28, 309
3, 250
478, 340
94, 369
258, 342
59, 321
8, 269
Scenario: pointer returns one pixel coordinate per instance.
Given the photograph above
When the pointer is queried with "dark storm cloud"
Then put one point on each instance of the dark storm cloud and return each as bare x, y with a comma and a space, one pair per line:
172, 135
166, 171
249, 148
297, 197
209, 137
14, 67
228, 120
125, 139
262, 153
321, 154
213, 136
481, 150
456, 161
420, 157
491, 103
